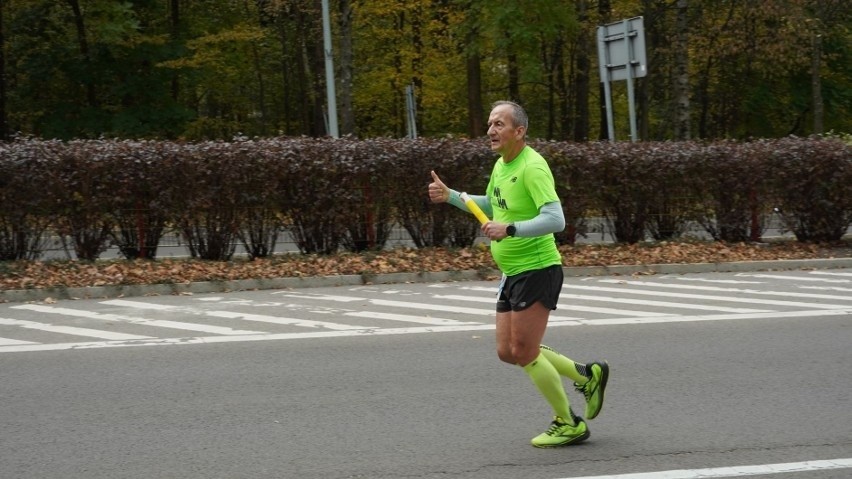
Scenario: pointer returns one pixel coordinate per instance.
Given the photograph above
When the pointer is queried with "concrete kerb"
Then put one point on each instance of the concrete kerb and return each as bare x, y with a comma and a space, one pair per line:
93, 292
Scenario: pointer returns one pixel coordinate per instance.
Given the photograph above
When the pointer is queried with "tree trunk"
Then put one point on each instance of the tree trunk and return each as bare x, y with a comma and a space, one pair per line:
347, 69
681, 73
816, 85
475, 124
83, 44
514, 75
4, 127
581, 80
315, 70
175, 34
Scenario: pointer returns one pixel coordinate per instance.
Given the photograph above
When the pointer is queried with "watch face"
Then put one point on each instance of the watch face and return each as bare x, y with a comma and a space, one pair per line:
510, 230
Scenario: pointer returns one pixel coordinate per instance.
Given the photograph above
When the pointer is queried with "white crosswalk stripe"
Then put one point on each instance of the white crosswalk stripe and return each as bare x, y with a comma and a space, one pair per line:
385, 310
13, 342
72, 330
261, 318
573, 307
408, 318
201, 328
729, 299
786, 294
829, 273
794, 278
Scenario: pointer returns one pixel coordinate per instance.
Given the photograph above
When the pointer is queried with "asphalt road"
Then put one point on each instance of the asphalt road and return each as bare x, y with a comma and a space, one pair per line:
391, 381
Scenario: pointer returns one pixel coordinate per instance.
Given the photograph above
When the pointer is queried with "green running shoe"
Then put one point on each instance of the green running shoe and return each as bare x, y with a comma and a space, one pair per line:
594, 389
562, 434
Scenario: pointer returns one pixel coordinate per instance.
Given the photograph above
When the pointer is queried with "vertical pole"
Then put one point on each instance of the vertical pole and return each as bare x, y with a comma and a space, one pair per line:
631, 102
329, 73
411, 111
606, 80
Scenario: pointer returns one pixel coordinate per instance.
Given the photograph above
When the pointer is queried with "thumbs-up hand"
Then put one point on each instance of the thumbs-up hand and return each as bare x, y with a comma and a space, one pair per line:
438, 191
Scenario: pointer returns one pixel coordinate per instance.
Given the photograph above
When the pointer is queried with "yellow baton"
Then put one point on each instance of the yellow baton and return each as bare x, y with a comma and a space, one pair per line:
474, 208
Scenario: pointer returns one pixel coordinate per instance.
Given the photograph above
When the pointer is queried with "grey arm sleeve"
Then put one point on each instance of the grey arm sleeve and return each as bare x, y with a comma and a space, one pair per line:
550, 219
481, 201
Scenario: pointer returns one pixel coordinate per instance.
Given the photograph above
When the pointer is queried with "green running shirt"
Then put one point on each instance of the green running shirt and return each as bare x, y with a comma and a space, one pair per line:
517, 190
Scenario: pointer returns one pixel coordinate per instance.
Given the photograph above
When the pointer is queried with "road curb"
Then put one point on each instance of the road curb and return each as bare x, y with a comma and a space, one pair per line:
91, 292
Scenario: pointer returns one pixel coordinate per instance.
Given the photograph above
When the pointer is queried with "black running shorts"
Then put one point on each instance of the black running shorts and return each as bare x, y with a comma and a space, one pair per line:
521, 291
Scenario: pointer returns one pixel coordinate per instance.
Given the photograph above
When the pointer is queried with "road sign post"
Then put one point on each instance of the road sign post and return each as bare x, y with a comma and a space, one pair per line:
621, 56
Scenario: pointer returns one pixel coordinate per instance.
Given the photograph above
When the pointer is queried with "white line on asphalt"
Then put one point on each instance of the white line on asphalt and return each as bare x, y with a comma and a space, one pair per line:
326, 297
663, 304
720, 317
704, 280
86, 332
400, 304
794, 278
733, 471
304, 323
830, 273
407, 318
11, 342
261, 318
728, 299
157, 323
435, 307
412, 330
826, 288
139, 305
731, 290
572, 307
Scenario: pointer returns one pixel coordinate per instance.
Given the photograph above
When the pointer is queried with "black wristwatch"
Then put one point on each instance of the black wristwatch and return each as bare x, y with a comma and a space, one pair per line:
511, 230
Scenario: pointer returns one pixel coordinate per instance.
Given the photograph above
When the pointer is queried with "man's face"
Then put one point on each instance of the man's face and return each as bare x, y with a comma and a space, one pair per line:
502, 132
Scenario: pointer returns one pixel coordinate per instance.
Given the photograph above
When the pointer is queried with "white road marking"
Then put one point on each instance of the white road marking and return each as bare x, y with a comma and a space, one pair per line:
304, 323
794, 278
730, 281
572, 307
733, 471
159, 323
720, 317
664, 304
729, 299
412, 330
826, 288
326, 297
426, 306
407, 318
141, 304
10, 342
261, 318
730, 290
830, 273
86, 332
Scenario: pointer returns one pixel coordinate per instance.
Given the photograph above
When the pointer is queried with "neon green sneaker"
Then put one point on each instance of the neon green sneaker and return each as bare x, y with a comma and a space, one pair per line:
562, 434
594, 389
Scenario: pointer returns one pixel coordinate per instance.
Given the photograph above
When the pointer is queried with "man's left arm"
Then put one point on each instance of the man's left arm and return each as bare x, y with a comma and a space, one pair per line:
550, 219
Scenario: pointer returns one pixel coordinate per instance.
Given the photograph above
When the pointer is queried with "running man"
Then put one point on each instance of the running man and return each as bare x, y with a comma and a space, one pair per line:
521, 200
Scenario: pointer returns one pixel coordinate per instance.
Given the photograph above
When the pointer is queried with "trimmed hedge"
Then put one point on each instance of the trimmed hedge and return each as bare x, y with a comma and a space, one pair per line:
331, 194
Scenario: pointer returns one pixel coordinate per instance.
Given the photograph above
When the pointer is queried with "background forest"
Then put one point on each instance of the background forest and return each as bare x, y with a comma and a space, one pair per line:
215, 69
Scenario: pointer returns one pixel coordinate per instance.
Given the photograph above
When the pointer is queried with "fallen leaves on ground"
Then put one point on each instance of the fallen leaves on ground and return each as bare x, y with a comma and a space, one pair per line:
46, 274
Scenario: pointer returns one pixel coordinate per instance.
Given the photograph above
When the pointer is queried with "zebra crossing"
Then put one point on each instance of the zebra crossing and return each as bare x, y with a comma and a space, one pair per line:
376, 310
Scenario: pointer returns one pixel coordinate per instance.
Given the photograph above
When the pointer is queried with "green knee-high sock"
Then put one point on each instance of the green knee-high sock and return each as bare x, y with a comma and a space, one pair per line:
547, 380
566, 367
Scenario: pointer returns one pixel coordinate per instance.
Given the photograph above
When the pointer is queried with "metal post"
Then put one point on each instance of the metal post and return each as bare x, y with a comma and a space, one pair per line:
411, 111
331, 93
607, 88
630, 97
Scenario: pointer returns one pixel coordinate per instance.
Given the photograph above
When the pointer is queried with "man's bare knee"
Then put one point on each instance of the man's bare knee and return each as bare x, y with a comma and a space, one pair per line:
506, 357
524, 354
